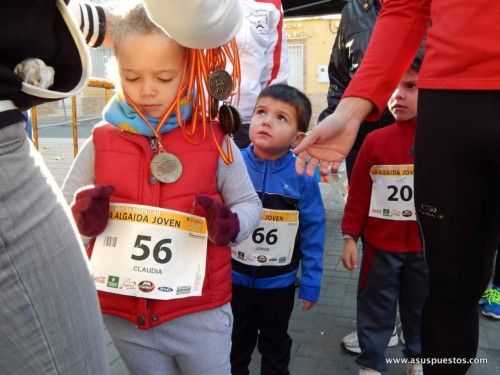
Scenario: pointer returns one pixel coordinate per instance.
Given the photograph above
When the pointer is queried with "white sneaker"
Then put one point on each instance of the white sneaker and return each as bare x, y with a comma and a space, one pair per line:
368, 371
351, 343
414, 369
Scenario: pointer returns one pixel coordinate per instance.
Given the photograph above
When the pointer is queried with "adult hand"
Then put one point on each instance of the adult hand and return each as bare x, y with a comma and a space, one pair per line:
331, 140
90, 209
223, 224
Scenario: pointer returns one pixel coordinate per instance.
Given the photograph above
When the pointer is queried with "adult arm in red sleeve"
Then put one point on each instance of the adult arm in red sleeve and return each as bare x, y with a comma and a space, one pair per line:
400, 27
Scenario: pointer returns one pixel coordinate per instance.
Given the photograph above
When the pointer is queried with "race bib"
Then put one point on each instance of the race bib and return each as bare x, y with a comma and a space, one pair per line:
272, 243
392, 192
150, 252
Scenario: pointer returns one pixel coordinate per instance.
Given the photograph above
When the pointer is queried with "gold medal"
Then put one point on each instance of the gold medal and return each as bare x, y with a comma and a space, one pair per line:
220, 84
166, 167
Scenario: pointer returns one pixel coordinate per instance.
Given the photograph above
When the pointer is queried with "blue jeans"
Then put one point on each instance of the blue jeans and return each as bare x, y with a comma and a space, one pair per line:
49, 316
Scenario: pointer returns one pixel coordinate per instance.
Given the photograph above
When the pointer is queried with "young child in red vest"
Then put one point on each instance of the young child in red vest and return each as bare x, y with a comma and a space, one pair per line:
163, 166
380, 208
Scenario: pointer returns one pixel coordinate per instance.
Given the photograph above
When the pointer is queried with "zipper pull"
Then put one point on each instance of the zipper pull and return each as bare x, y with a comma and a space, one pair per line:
154, 144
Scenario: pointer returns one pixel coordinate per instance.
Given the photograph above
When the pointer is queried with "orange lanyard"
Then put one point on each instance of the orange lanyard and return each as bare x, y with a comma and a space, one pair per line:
193, 89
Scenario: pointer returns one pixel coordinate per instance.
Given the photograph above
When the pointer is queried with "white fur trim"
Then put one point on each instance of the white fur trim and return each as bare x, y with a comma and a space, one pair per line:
84, 58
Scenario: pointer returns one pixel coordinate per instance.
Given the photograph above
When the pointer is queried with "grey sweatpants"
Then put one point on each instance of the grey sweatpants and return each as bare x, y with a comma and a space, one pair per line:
49, 316
193, 344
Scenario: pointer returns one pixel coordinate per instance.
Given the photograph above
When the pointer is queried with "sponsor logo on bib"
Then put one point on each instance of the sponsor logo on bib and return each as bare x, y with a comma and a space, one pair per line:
146, 286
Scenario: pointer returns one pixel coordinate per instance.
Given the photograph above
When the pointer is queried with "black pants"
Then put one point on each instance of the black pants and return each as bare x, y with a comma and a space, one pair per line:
261, 315
457, 186
496, 276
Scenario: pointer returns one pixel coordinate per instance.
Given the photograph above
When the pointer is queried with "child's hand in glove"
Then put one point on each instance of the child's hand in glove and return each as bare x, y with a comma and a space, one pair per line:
223, 224
90, 208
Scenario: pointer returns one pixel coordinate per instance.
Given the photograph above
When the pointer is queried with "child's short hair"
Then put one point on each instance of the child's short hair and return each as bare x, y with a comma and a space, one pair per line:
136, 20
294, 97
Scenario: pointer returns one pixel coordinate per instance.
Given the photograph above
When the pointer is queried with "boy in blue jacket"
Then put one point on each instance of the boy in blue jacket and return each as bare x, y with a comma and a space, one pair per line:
290, 234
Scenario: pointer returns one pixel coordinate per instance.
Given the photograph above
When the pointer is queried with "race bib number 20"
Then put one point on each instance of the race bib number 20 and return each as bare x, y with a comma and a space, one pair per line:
150, 252
392, 192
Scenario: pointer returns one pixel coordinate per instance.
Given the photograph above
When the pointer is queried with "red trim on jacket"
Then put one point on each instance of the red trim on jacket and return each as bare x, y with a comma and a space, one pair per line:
389, 146
123, 160
279, 41
462, 50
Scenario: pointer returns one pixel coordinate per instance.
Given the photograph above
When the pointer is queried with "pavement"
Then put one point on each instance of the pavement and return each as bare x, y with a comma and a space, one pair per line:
316, 334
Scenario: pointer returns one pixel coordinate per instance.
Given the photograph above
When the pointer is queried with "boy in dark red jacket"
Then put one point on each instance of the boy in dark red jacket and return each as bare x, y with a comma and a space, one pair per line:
380, 207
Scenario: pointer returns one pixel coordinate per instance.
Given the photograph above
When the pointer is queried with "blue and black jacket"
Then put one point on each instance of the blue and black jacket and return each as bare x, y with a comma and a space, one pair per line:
280, 187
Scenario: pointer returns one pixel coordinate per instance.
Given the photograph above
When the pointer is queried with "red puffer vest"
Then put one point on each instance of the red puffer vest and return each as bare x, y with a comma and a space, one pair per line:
123, 161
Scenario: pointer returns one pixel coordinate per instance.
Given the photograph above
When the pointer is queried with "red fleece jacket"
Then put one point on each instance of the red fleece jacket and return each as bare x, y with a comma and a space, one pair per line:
386, 146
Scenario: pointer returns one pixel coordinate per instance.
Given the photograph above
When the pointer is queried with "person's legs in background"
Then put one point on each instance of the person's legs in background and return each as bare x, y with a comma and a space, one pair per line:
51, 322
491, 297
457, 180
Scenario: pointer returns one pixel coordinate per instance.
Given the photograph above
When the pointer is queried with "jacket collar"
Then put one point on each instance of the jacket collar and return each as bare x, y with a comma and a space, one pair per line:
272, 166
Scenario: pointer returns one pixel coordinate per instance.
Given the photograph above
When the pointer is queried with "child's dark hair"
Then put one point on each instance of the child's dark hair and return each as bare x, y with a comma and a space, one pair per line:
295, 98
419, 57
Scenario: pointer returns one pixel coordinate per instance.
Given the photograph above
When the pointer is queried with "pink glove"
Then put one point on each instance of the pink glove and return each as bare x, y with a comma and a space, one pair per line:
223, 224
90, 208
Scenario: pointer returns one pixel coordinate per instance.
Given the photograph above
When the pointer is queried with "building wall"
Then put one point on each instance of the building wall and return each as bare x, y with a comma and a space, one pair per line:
314, 36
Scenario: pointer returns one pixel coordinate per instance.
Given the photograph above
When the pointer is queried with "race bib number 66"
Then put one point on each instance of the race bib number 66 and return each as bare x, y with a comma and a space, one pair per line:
272, 243
150, 252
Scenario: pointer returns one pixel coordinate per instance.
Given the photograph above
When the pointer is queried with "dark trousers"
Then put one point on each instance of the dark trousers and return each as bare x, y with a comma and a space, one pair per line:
457, 185
385, 279
496, 277
261, 316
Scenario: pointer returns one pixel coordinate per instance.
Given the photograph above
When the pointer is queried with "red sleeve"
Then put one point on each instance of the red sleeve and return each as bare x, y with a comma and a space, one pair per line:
399, 29
360, 190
